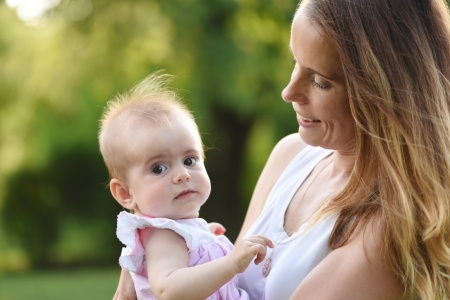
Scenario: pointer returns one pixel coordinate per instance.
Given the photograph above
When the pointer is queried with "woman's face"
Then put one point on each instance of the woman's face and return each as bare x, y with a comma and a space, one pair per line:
317, 89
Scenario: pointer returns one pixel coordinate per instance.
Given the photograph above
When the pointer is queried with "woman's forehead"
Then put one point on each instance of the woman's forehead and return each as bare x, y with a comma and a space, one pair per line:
311, 49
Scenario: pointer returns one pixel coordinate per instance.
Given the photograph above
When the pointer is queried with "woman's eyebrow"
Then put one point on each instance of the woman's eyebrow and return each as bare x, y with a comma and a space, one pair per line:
310, 70
320, 74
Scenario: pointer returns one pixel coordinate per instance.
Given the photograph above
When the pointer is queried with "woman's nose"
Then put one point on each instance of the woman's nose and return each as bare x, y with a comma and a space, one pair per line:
286, 93
293, 92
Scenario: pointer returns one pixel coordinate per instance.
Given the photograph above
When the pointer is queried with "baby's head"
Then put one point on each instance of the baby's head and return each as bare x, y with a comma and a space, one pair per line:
153, 151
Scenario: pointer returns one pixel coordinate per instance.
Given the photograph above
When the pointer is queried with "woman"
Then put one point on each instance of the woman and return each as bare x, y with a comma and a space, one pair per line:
358, 200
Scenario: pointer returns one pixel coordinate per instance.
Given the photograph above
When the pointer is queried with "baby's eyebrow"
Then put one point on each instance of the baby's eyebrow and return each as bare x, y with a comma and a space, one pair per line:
192, 151
158, 156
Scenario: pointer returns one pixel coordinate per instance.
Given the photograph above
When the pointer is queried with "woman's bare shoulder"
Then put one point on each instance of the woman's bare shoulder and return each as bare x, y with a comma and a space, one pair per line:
282, 154
285, 150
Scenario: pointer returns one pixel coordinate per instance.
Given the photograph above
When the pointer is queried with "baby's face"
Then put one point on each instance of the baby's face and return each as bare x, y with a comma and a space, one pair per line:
168, 178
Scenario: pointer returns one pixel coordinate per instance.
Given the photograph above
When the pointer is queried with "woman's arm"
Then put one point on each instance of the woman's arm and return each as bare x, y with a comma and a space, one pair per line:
125, 288
357, 270
170, 277
278, 160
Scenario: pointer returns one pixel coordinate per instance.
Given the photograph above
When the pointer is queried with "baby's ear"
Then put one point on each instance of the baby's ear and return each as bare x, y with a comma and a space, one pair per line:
120, 192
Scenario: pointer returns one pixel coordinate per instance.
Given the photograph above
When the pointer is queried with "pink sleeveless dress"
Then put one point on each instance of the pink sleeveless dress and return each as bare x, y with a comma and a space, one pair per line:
202, 244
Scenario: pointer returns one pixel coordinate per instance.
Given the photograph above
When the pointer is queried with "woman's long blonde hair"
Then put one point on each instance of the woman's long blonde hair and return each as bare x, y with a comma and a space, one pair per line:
396, 59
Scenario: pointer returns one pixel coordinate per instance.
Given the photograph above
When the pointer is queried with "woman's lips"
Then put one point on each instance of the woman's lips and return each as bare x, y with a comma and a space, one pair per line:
307, 123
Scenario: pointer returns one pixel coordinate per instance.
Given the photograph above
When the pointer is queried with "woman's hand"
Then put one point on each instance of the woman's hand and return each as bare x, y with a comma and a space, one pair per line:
216, 228
125, 289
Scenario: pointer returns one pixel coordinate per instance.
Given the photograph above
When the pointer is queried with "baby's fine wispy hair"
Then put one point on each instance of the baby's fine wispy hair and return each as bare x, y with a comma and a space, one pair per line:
151, 99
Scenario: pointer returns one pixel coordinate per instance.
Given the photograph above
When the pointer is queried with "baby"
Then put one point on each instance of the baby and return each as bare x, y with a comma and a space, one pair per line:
152, 148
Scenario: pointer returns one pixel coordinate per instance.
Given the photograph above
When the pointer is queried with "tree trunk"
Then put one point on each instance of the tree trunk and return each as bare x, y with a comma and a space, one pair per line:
224, 163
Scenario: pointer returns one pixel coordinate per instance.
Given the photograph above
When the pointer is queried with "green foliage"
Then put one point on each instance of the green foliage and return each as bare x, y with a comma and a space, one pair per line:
57, 203
68, 285
231, 61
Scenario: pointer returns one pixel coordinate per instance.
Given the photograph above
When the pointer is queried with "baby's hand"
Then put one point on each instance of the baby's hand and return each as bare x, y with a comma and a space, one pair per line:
246, 249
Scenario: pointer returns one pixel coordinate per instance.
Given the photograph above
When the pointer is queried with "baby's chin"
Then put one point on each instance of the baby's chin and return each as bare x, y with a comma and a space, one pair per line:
189, 216
192, 215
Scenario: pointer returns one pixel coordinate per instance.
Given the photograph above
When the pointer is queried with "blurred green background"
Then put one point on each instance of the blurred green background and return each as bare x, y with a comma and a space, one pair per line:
61, 60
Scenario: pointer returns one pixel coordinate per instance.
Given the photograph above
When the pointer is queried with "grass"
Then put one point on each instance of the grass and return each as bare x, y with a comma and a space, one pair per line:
55, 285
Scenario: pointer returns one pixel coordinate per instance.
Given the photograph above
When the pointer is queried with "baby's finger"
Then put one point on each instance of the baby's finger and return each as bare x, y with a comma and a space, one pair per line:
261, 253
260, 239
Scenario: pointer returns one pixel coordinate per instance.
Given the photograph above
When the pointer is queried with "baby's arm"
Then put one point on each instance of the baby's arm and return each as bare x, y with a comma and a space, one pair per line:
171, 278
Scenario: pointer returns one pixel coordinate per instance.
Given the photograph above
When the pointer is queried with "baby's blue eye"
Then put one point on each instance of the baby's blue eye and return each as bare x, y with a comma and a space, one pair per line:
158, 169
190, 161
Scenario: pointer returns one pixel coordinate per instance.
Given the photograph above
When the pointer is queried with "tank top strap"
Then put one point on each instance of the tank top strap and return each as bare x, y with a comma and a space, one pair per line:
294, 175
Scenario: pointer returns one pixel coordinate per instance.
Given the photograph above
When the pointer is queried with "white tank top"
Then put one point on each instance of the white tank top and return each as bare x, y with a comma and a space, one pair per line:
295, 256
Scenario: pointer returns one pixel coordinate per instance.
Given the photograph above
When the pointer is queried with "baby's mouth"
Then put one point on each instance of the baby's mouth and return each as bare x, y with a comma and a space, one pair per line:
184, 194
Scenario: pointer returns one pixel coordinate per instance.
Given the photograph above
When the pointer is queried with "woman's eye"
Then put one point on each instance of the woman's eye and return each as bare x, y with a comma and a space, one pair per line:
190, 161
319, 85
158, 168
